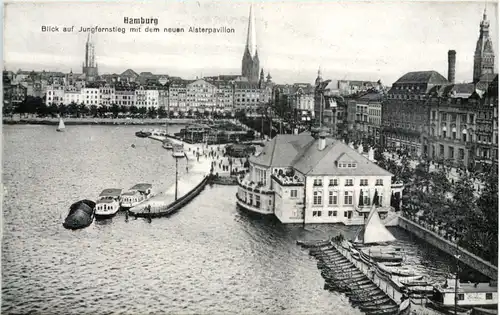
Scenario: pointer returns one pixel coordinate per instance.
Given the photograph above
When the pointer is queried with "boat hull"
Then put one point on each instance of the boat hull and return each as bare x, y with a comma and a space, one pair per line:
80, 216
60, 130
103, 216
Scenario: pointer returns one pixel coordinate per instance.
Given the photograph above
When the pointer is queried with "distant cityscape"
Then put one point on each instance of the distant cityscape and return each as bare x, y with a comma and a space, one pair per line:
422, 113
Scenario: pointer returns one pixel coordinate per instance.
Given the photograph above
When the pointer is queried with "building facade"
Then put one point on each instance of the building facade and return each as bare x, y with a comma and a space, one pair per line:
302, 179
405, 112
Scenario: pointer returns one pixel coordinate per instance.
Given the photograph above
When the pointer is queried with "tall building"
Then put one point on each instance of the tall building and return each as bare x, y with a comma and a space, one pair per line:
484, 57
90, 66
250, 63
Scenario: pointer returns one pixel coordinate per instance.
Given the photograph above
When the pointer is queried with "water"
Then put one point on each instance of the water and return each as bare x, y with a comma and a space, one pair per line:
209, 258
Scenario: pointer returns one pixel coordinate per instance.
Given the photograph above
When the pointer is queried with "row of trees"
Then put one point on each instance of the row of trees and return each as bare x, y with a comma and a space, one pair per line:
37, 106
452, 208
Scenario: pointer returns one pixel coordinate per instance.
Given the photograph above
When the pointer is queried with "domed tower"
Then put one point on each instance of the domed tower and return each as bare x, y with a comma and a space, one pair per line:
319, 79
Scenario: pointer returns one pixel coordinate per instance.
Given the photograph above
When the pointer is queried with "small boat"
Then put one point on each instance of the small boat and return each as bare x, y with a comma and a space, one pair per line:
61, 126
108, 203
135, 195
398, 271
178, 151
143, 134
81, 215
167, 144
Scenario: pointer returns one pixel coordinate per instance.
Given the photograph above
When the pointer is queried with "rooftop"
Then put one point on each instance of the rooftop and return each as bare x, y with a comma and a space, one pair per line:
429, 77
110, 192
141, 187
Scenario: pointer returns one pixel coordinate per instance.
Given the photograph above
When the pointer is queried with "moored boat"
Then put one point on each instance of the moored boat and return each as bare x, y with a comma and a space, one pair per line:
143, 134
167, 144
81, 215
108, 203
178, 151
135, 195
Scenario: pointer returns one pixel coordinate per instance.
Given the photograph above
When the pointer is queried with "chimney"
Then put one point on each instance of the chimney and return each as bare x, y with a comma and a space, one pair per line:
452, 57
371, 155
322, 141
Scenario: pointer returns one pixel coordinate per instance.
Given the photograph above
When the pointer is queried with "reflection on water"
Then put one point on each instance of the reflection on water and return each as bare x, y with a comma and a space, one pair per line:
209, 258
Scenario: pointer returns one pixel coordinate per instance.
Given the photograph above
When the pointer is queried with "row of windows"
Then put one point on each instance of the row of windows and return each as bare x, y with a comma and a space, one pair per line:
348, 182
348, 198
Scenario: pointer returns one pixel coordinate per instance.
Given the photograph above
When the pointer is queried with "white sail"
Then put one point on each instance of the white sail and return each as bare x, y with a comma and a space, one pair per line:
61, 124
375, 230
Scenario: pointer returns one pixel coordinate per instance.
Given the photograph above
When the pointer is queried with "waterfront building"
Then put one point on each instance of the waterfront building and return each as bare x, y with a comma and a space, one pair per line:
125, 97
89, 67
250, 63
302, 179
146, 98
90, 96
107, 95
405, 111
364, 116
247, 95
177, 96
72, 96
14, 94
484, 56
201, 95
55, 95
224, 96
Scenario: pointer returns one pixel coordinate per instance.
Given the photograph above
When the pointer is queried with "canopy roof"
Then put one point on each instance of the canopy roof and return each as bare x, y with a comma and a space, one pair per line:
141, 187
110, 192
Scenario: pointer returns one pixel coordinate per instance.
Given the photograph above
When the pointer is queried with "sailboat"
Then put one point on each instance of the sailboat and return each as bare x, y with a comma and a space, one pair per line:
61, 125
374, 232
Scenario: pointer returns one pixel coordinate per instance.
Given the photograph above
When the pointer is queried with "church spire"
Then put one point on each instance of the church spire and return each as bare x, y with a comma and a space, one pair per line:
484, 56
251, 35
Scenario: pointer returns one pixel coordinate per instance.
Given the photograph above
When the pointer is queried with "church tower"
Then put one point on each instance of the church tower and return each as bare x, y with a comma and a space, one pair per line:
90, 66
484, 57
250, 63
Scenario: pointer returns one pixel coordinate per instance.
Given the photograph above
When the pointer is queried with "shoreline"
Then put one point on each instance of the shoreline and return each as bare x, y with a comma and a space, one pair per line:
96, 121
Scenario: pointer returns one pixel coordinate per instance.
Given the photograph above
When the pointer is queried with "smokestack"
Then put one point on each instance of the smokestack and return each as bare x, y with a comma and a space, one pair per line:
452, 57
322, 141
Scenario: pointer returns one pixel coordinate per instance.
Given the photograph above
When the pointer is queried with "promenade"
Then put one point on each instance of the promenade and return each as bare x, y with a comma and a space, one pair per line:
31, 120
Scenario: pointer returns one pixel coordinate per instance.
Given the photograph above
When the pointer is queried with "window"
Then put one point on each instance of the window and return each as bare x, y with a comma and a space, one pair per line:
318, 182
454, 135
366, 200
334, 182
316, 213
332, 213
460, 296
451, 152
348, 182
379, 182
332, 197
443, 117
363, 182
317, 198
257, 201
441, 149
380, 200
293, 193
489, 296
433, 115
444, 133
348, 198
464, 137
250, 199
461, 154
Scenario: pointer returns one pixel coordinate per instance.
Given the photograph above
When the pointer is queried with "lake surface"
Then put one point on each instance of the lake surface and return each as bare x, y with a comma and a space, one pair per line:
209, 258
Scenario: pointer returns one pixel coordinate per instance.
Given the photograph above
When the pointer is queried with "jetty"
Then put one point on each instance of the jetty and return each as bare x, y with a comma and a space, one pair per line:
188, 187
342, 275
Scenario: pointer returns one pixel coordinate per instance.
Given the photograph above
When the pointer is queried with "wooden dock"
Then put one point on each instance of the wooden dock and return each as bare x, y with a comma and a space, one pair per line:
342, 275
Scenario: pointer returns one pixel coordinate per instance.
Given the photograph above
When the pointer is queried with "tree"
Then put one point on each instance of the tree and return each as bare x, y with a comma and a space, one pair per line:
72, 109
115, 109
124, 109
133, 110
488, 205
83, 110
63, 109
94, 111
142, 111
152, 112
162, 113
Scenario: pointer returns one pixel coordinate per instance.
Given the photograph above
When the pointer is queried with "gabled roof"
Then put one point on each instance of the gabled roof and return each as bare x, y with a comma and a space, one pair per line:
281, 150
129, 73
429, 77
312, 161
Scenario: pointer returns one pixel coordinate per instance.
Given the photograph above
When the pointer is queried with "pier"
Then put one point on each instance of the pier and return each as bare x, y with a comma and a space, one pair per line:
188, 187
356, 280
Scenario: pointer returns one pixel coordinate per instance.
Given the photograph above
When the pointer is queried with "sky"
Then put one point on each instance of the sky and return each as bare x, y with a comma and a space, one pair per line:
359, 40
